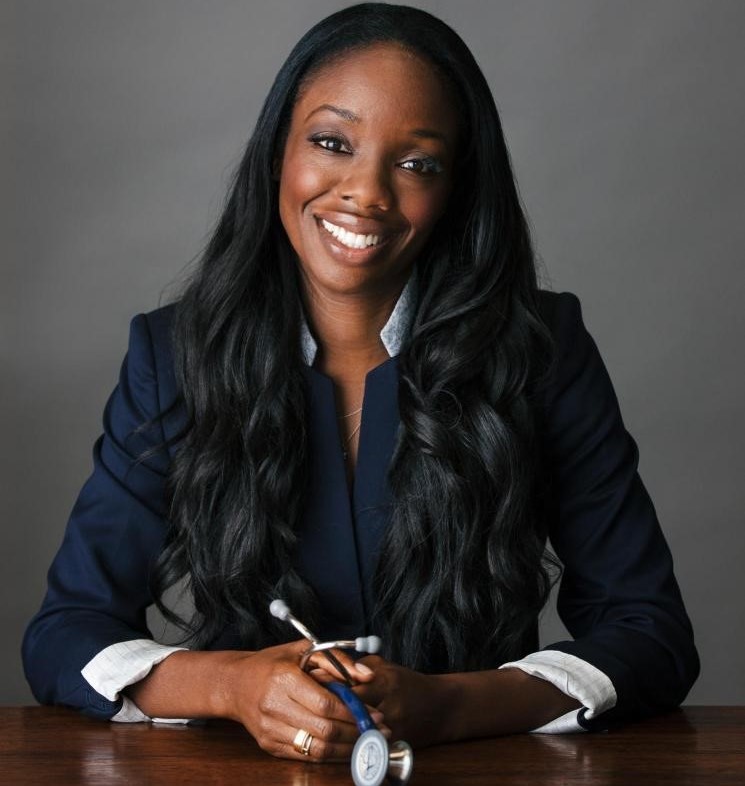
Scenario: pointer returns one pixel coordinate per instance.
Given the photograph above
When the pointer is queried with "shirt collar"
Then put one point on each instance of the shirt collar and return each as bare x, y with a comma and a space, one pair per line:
393, 333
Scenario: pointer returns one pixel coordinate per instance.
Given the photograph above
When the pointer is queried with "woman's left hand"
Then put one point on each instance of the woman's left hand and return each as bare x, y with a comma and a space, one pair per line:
429, 709
413, 704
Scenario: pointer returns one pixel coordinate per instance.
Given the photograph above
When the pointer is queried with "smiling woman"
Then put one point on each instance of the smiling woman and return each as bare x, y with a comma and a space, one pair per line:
365, 176
363, 403
369, 154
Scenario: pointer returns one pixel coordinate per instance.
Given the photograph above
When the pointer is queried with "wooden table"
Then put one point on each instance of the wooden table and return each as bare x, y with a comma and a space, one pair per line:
41, 745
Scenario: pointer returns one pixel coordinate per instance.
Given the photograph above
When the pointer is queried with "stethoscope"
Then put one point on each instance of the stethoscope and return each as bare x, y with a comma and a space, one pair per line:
372, 759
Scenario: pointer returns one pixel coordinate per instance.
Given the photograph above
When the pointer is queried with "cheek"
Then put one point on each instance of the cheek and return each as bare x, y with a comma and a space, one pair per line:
303, 186
296, 190
299, 184
424, 209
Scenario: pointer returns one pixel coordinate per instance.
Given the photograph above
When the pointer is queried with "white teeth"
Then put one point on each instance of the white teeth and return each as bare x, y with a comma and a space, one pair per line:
350, 239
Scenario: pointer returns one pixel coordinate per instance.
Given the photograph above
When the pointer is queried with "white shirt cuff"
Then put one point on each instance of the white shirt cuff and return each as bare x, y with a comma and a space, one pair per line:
122, 664
574, 677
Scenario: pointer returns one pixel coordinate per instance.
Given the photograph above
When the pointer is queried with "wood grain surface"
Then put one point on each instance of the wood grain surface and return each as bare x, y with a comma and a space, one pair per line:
55, 746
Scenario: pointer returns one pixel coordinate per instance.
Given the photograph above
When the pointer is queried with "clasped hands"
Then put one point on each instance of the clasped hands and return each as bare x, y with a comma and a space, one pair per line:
275, 700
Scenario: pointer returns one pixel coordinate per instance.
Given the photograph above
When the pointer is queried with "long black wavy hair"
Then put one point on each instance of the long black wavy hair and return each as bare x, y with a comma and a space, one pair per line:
462, 573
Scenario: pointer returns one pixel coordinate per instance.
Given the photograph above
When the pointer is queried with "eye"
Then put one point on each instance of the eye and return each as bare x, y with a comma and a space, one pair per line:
330, 142
422, 166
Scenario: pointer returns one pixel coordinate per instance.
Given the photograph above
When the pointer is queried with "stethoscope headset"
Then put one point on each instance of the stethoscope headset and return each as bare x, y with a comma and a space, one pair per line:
373, 760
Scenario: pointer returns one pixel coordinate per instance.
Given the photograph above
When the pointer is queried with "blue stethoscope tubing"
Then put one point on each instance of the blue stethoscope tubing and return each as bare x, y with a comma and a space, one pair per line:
355, 705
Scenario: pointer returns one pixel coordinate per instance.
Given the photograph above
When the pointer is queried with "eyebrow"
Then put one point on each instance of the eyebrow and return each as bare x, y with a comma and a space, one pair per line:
346, 114
351, 117
429, 133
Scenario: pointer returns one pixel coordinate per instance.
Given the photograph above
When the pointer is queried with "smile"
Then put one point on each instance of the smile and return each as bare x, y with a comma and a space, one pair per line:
350, 239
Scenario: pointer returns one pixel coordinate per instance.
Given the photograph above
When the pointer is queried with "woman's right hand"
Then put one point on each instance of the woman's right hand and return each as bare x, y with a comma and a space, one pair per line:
273, 698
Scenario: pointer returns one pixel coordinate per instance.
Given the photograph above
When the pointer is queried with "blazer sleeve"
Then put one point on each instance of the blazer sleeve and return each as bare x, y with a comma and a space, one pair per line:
98, 583
618, 596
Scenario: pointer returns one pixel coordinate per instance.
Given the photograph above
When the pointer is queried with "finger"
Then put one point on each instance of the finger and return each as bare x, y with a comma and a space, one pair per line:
323, 678
360, 672
317, 700
319, 749
295, 694
372, 694
376, 715
325, 729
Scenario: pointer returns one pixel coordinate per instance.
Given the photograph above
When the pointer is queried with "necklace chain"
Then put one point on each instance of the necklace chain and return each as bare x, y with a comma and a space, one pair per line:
352, 433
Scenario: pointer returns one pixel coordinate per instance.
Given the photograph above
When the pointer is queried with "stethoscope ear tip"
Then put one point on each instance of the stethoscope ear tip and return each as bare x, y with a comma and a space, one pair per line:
279, 609
369, 644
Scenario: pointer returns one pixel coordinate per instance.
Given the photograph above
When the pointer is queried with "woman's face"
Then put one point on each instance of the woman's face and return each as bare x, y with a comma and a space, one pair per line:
367, 169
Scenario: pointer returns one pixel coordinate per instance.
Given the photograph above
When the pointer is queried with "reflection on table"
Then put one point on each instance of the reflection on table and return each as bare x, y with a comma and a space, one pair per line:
697, 745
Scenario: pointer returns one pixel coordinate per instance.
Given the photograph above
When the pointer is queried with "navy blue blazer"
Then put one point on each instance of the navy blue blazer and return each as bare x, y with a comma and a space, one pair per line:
618, 596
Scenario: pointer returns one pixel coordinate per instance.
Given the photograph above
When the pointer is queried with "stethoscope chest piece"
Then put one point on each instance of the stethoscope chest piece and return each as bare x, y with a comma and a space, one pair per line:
400, 762
372, 762
370, 759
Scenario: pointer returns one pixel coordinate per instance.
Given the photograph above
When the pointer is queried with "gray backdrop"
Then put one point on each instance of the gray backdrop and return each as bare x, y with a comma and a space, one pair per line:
121, 121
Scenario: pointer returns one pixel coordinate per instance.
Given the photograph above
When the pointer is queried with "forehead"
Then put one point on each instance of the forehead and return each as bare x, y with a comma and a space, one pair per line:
380, 81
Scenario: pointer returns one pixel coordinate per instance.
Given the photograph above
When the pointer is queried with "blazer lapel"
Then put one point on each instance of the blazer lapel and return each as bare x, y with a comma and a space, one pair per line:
340, 539
372, 494
327, 553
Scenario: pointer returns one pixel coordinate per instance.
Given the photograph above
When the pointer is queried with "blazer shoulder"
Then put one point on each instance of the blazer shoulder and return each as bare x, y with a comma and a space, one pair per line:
151, 351
159, 324
574, 351
561, 311
154, 330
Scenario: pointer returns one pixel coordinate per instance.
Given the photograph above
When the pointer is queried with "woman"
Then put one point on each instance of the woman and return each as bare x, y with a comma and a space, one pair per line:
363, 404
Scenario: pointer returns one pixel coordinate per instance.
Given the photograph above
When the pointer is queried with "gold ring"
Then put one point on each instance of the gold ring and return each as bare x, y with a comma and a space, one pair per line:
302, 742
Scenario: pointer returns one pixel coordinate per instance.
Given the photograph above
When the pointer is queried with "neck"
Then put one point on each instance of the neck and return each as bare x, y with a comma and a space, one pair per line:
347, 328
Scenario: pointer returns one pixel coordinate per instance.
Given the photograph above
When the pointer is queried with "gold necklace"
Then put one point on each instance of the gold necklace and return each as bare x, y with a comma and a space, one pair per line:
348, 439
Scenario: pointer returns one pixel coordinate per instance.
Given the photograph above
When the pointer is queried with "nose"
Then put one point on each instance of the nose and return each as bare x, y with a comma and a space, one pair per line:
367, 185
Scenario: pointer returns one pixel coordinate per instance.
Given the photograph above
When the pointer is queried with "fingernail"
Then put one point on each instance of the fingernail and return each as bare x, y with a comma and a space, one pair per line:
362, 669
377, 716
